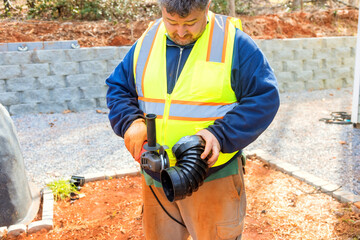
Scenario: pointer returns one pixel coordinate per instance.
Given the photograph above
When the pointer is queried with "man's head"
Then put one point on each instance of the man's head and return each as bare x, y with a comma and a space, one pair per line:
185, 20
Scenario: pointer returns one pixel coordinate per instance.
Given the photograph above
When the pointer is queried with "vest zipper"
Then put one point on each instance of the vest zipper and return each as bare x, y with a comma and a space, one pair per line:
168, 99
178, 66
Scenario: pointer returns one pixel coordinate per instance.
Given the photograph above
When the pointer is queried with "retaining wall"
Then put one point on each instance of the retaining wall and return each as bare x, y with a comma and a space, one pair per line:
56, 80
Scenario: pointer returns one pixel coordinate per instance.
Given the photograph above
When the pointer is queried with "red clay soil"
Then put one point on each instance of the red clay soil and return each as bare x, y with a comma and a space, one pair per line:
279, 207
341, 22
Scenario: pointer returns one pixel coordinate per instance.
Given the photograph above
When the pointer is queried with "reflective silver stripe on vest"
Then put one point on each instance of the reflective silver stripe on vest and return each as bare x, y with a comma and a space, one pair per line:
200, 111
144, 54
152, 107
218, 37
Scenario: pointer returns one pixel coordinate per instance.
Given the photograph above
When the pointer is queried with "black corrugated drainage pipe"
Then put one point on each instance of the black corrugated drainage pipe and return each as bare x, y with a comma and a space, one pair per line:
190, 170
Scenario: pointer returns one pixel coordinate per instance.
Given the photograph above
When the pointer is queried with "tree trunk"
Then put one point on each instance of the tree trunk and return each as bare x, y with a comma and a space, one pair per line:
7, 6
296, 4
231, 8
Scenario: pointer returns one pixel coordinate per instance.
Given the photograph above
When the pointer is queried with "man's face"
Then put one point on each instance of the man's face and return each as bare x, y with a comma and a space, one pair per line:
185, 30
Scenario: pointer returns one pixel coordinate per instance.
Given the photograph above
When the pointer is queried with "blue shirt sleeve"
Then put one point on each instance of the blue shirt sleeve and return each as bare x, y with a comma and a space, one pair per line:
255, 87
121, 97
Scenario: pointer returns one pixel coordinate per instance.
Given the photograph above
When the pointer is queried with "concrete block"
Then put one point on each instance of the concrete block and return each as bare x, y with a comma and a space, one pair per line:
93, 66
274, 45
127, 172
64, 68
324, 54
101, 102
3, 47
80, 54
348, 62
9, 71
3, 232
64, 94
288, 168
110, 175
334, 42
94, 92
9, 98
350, 41
333, 62
342, 195
112, 64
301, 175
314, 85
284, 55
40, 225
322, 74
313, 43
52, 81
277, 66
284, 76
16, 230
304, 76
292, 43
35, 70
295, 86
340, 72
29, 46
319, 183
48, 56
350, 198
329, 188
342, 52
303, 54
106, 53
23, 109
312, 64
2, 86
311, 179
51, 107
21, 84
15, 58
82, 80
35, 96
82, 105
91, 177
293, 66
334, 83
123, 51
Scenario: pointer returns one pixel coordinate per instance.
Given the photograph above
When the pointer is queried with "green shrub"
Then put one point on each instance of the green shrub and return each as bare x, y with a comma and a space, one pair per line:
124, 10
62, 189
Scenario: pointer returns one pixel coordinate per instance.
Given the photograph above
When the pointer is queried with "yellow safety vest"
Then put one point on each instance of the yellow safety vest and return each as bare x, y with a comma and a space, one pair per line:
203, 90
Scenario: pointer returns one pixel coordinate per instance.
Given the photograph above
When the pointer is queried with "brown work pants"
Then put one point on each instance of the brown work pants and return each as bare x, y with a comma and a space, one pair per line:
215, 211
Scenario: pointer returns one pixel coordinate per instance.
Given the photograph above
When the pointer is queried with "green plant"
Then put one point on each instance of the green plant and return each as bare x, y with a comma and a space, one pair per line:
62, 188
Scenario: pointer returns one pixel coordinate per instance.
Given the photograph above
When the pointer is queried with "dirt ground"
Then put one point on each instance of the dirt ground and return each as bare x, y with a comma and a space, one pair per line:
279, 207
340, 22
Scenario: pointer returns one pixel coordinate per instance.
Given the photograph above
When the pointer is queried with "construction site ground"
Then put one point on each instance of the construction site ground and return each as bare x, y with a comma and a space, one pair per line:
279, 207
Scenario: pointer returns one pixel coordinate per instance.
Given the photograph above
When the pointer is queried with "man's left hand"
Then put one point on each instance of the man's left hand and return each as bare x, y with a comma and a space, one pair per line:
212, 147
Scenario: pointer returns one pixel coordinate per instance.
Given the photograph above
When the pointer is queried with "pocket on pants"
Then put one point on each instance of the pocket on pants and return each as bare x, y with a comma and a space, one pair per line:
230, 230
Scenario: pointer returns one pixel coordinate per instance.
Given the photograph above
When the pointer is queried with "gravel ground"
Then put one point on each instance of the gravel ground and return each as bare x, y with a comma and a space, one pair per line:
60, 145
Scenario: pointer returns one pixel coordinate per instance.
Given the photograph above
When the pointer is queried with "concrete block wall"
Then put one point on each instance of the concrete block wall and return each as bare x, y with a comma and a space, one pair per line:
74, 79
56, 80
311, 63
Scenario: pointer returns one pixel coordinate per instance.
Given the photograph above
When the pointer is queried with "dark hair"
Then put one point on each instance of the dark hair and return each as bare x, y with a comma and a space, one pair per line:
183, 7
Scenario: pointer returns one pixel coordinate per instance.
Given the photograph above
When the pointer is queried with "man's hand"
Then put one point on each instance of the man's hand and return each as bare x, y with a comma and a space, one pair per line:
135, 136
212, 147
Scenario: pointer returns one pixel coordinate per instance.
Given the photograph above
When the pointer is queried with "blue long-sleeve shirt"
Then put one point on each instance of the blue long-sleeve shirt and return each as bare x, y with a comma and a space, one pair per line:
252, 80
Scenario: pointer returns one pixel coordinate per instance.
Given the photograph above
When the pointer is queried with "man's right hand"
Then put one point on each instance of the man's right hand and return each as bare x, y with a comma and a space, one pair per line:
135, 136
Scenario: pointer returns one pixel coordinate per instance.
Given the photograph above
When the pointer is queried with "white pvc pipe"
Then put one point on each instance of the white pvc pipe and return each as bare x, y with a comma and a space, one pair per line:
356, 92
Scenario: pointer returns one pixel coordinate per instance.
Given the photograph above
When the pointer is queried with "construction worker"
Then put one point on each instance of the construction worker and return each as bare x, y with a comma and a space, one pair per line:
201, 75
